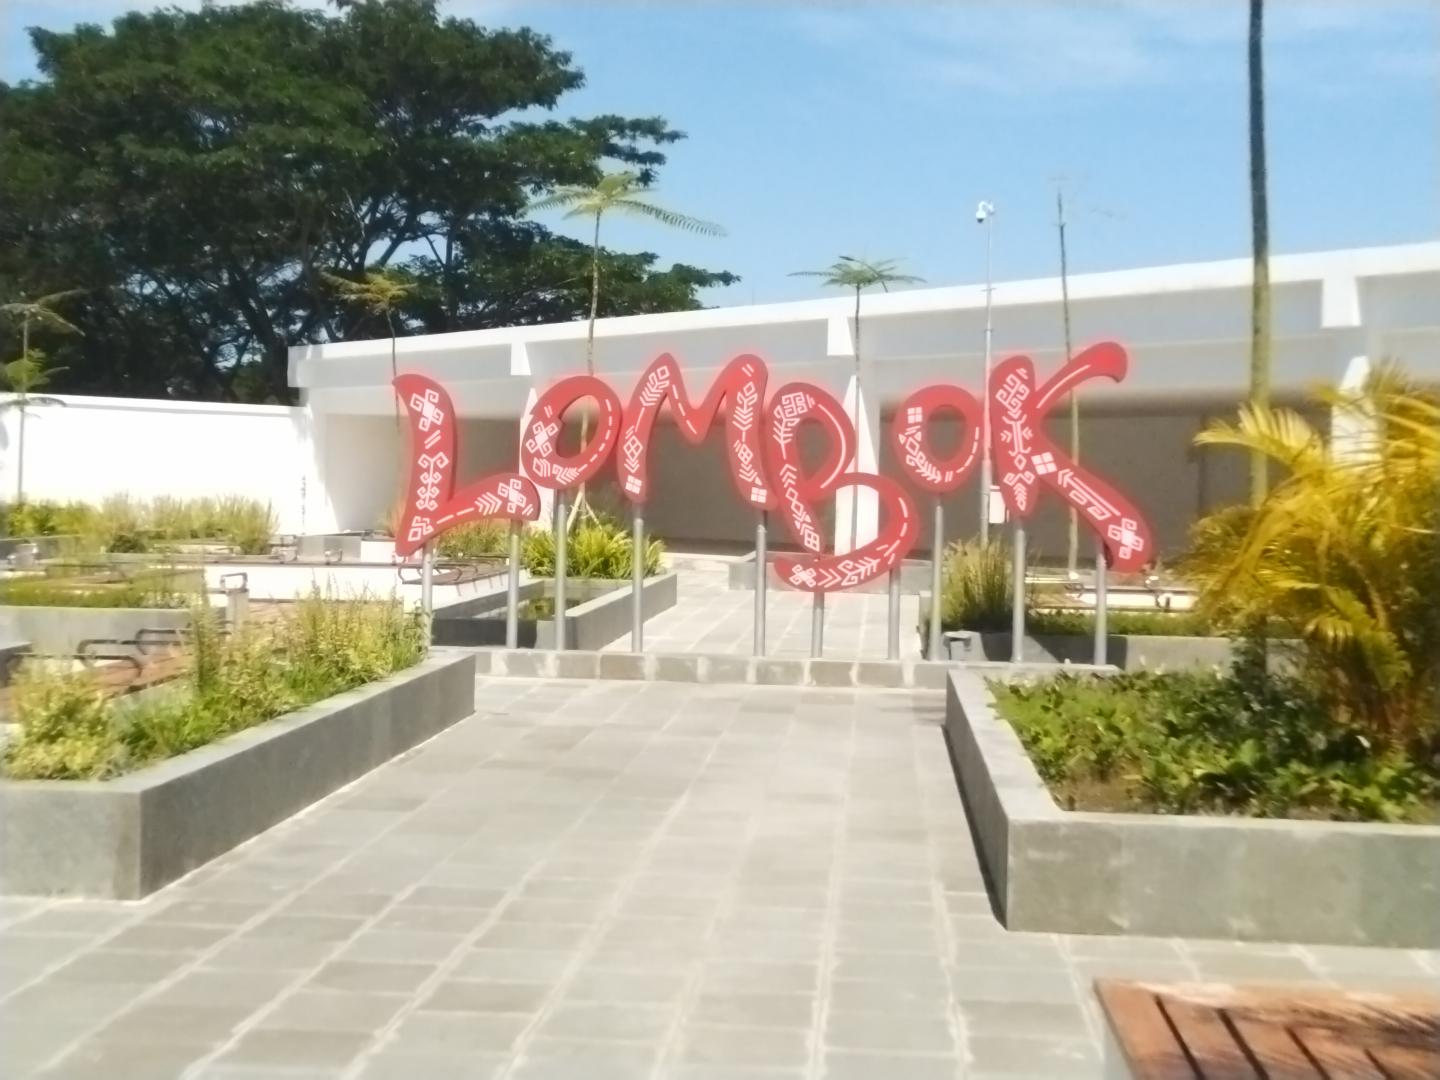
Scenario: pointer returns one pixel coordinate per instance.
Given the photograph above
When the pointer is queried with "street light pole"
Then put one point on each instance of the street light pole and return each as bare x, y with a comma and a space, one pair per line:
984, 213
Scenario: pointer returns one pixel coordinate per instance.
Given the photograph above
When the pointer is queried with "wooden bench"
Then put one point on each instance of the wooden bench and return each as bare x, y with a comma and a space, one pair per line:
1182, 1031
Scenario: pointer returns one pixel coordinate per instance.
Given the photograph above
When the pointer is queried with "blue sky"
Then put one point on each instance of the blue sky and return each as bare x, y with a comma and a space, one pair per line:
872, 130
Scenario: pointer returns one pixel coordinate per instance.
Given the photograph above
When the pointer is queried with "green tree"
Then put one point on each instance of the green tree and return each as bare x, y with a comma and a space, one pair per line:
848, 272
199, 171
22, 377
620, 193
1260, 246
30, 371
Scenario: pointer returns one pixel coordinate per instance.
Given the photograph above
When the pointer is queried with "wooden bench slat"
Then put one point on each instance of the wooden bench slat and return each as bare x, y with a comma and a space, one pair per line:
1338, 1054
1142, 1032
1208, 1040
1276, 1048
1408, 1062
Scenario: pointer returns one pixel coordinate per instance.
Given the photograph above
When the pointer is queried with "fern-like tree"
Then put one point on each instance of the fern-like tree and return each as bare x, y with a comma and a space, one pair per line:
1344, 553
378, 292
1260, 245
30, 372
22, 377
623, 194
848, 272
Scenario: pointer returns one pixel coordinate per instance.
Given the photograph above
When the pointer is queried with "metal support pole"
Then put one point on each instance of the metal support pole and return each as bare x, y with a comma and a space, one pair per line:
512, 591
637, 583
986, 468
562, 553
762, 575
1102, 603
937, 562
1017, 616
427, 588
817, 625
892, 641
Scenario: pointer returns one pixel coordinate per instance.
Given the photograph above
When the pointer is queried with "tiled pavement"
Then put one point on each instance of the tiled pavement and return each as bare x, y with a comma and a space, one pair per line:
711, 618
595, 880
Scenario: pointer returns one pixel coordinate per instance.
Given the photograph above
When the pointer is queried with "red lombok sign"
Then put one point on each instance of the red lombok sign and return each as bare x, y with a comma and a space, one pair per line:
761, 436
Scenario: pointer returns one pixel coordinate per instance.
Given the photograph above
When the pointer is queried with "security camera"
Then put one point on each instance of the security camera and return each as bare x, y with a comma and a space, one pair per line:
983, 212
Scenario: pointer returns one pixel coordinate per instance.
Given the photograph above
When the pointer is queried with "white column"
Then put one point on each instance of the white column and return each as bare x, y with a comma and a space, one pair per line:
547, 495
1351, 430
867, 446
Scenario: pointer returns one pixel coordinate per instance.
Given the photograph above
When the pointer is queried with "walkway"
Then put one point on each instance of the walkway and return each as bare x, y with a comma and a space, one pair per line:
712, 618
603, 880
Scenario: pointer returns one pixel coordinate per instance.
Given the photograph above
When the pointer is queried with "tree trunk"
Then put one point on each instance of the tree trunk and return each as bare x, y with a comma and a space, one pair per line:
20, 436
855, 491
581, 505
1073, 556
1260, 243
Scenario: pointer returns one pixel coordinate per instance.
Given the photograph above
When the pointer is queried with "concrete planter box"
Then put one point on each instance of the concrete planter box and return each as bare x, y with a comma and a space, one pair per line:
590, 624
60, 630
914, 577
1128, 652
1060, 871
11, 654
125, 838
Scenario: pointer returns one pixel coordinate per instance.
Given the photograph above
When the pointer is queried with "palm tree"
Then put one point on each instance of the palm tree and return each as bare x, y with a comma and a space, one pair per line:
29, 371
1260, 247
22, 376
618, 193
848, 272
380, 292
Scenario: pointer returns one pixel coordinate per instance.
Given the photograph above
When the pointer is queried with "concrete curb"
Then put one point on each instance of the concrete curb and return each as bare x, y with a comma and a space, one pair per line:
124, 838
1261, 879
59, 630
727, 668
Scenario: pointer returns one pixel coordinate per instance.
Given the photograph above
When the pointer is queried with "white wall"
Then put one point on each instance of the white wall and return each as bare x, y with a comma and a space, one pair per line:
91, 447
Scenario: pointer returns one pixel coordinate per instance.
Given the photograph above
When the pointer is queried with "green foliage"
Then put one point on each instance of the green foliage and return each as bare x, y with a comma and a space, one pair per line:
475, 540
198, 172
851, 273
320, 648
975, 589
1210, 743
125, 524
1120, 621
596, 549
1345, 549
150, 590
66, 729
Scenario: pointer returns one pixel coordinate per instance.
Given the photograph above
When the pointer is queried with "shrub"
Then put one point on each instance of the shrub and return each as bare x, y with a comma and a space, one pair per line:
65, 729
149, 591
1121, 621
29, 519
1210, 742
1345, 549
125, 524
321, 647
598, 549
474, 540
975, 587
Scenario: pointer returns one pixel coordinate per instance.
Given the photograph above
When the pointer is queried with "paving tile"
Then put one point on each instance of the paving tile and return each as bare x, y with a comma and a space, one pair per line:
308, 928
859, 1065
457, 1033
466, 995
331, 1010
276, 1048
1023, 1020
755, 1009
246, 953
541, 936
517, 965
605, 1022
874, 995
888, 1031
646, 987
389, 1065
86, 922
120, 966
96, 1059
781, 977
367, 977
563, 1059
168, 938
400, 946
777, 1047
1012, 985
997, 1055
208, 912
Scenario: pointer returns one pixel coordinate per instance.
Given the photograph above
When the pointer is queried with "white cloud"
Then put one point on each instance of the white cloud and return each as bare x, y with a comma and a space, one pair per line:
1048, 46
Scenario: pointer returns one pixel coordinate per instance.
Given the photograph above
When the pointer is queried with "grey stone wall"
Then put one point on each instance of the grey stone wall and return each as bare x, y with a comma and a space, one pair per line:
60, 630
1171, 876
125, 838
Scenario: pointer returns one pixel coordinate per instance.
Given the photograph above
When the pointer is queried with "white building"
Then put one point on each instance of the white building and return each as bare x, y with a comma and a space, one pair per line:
335, 461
